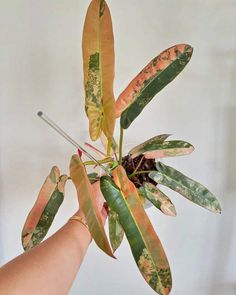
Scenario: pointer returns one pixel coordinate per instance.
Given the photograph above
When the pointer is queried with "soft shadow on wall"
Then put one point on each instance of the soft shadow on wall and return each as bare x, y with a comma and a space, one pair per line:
223, 268
1, 238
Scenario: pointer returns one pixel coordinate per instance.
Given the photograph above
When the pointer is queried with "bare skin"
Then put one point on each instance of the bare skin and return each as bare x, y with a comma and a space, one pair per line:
50, 268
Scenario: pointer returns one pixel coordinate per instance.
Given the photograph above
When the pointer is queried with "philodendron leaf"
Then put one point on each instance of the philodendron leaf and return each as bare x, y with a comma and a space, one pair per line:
171, 148
148, 145
44, 210
98, 58
152, 79
88, 204
146, 247
158, 199
116, 232
185, 186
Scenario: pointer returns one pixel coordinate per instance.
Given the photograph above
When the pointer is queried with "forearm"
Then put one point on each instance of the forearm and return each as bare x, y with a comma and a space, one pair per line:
50, 267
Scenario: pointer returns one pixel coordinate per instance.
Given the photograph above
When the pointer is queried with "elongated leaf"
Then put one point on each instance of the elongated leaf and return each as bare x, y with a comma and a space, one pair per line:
98, 58
116, 232
44, 210
146, 247
152, 79
171, 148
88, 204
148, 145
158, 199
185, 186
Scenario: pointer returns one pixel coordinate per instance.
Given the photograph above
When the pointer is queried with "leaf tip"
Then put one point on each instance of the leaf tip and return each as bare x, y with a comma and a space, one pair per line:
171, 211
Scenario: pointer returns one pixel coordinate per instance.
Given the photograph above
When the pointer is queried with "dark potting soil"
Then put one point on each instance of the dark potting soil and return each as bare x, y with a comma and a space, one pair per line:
143, 165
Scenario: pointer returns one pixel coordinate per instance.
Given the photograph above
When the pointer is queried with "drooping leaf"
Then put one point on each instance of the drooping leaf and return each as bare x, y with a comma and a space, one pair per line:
146, 247
88, 204
116, 232
98, 58
185, 186
148, 145
44, 210
158, 198
171, 148
152, 79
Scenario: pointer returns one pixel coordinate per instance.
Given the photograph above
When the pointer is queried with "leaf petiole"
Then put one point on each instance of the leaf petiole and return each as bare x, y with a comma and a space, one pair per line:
109, 147
139, 172
120, 144
103, 161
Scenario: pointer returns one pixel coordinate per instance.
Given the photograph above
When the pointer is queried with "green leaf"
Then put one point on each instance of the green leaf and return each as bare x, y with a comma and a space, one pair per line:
148, 145
158, 199
44, 210
116, 232
185, 186
98, 59
88, 205
146, 247
152, 79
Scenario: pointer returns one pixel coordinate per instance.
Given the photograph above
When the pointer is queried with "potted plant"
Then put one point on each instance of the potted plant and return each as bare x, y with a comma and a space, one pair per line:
127, 179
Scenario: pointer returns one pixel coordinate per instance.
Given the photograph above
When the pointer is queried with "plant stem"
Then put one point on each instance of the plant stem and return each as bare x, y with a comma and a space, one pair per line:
116, 156
139, 172
103, 161
140, 162
109, 141
120, 145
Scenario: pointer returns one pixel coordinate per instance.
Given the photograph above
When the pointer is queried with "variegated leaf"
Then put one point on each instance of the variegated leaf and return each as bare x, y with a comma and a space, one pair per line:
146, 247
44, 210
149, 144
152, 79
171, 148
116, 232
98, 58
185, 186
88, 204
158, 199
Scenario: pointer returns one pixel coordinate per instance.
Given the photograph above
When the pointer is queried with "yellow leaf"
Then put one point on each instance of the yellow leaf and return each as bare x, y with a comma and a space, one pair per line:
98, 58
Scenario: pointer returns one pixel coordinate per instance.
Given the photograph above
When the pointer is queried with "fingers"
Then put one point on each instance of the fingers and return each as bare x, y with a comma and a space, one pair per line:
98, 195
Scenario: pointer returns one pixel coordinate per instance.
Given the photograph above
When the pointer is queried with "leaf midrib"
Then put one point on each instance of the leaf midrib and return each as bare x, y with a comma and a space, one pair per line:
152, 79
172, 179
126, 203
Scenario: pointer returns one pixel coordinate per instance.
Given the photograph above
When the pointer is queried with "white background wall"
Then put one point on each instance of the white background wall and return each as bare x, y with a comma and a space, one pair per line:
41, 69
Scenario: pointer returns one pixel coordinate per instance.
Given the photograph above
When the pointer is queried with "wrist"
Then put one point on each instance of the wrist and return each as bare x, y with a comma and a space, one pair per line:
78, 220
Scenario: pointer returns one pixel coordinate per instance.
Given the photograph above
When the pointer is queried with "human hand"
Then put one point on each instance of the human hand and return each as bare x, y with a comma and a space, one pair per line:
100, 201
